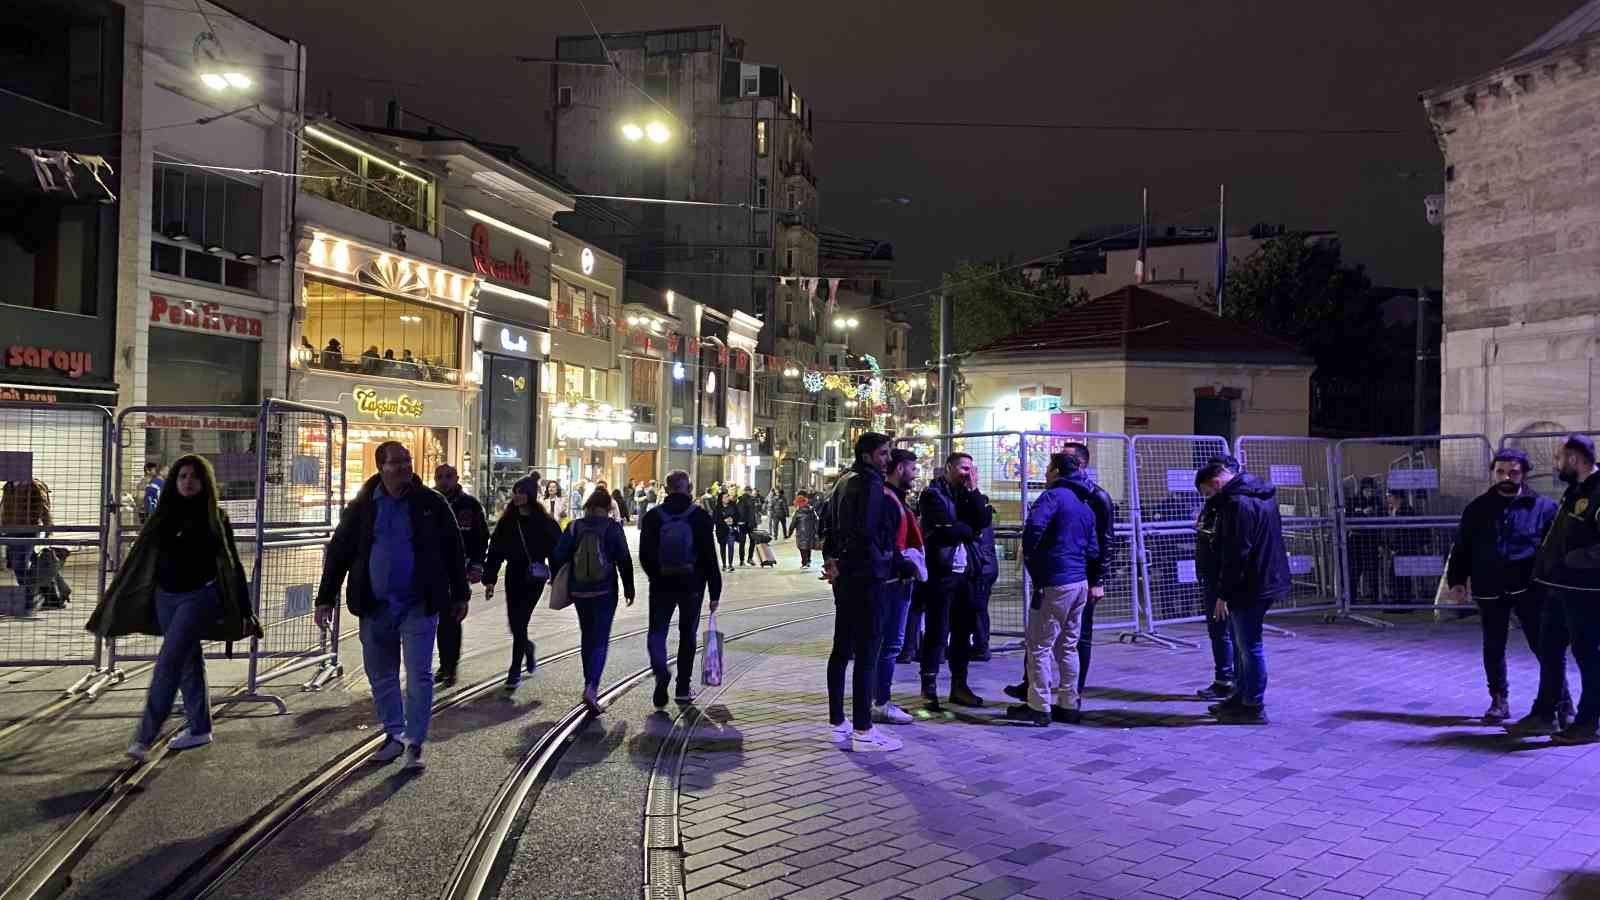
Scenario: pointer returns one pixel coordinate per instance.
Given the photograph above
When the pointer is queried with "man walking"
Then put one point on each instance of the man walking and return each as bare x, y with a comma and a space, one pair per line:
678, 551
1568, 566
749, 506
399, 545
1059, 549
897, 592
474, 528
1494, 551
153, 482
859, 550
954, 512
1252, 574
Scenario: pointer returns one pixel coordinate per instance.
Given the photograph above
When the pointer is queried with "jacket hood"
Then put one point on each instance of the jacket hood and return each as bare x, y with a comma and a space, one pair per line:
1247, 485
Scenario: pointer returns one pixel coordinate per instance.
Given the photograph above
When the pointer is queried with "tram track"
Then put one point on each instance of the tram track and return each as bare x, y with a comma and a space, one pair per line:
47, 712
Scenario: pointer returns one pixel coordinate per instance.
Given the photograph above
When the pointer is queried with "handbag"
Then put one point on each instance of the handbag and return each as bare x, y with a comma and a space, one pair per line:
536, 568
559, 597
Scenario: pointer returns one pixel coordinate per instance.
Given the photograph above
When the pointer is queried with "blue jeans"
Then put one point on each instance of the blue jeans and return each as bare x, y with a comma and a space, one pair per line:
1251, 689
181, 662
386, 637
896, 604
594, 624
1224, 659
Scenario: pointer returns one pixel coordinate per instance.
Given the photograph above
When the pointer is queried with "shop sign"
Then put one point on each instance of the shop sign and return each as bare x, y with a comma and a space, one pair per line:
593, 432
682, 437
21, 393
71, 363
371, 403
646, 438
199, 423
201, 317
516, 270
714, 442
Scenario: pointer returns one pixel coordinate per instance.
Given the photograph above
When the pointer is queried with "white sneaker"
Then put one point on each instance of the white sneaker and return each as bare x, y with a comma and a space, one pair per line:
840, 733
874, 741
184, 739
138, 752
891, 714
414, 758
390, 751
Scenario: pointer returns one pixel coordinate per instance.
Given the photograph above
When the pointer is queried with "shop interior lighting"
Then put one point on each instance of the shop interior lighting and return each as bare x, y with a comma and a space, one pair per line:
412, 319
513, 294
178, 234
508, 228
324, 136
236, 80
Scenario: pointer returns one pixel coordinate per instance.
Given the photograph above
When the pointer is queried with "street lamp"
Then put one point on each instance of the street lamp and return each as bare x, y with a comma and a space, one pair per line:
846, 325
656, 132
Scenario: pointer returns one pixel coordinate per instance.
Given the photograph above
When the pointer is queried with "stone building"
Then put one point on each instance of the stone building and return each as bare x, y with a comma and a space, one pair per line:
1521, 220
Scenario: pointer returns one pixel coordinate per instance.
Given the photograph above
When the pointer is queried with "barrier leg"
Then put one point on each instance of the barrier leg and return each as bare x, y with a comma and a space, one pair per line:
251, 692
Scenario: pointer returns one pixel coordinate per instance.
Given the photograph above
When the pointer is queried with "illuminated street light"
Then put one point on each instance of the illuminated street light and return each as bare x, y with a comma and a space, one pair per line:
632, 132
658, 133
851, 322
221, 81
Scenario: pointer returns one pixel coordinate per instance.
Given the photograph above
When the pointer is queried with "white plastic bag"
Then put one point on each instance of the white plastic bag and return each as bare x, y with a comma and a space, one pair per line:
711, 656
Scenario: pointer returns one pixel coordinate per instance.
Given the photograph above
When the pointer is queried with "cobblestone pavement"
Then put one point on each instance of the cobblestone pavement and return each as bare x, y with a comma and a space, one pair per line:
1375, 779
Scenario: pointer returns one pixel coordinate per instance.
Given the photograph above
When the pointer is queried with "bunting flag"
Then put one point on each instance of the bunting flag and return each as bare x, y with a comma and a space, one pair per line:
672, 342
722, 356
810, 287
833, 294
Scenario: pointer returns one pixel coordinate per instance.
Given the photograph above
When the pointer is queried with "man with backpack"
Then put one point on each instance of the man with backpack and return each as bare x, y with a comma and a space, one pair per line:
678, 551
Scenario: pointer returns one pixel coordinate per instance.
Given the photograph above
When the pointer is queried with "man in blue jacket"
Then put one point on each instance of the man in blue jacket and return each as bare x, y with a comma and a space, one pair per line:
1060, 550
1494, 551
1568, 566
1252, 574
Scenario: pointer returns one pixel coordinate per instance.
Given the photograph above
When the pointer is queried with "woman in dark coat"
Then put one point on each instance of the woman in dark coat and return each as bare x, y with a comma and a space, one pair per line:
182, 580
523, 539
805, 529
727, 524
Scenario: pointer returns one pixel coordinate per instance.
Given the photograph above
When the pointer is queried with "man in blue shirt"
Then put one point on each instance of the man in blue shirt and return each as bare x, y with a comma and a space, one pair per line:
1060, 549
153, 482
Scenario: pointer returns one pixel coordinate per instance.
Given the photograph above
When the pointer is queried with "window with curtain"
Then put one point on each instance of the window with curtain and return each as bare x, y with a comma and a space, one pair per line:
644, 389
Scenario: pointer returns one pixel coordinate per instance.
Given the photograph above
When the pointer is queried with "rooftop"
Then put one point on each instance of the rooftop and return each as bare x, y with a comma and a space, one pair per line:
1134, 323
835, 244
1583, 24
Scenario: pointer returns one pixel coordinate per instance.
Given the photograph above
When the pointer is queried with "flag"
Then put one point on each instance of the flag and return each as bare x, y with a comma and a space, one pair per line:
1140, 269
833, 294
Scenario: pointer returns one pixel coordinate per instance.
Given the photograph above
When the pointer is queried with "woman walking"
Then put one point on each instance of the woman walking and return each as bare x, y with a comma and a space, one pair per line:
182, 580
726, 519
555, 502
596, 550
805, 529
523, 539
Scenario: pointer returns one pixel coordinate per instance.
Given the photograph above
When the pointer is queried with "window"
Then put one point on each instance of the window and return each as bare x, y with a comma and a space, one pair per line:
382, 336
793, 202
564, 95
579, 311
761, 193
761, 259
794, 104
547, 378
832, 414
356, 179
761, 138
598, 385
54, 56
644, 389
205, 227
681, 386
190, 367
752, 85
50, 254
788, 259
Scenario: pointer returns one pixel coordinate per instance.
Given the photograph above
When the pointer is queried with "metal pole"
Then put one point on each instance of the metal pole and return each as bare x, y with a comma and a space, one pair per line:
947, 400
1422, 354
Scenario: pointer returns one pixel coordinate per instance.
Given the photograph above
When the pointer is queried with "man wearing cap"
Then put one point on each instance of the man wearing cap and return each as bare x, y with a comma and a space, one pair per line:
1568, 565
1492, 561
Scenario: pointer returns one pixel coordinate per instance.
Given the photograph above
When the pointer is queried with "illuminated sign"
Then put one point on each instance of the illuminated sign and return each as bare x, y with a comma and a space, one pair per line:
370, 402
648, 437
713, 442
516, 270
71, 363
517, 344
593, 432
683, 437
201, 317
586, 261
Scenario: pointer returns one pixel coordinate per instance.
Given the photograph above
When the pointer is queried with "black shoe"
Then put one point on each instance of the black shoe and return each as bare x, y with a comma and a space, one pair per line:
1216, 690
660, 695
1232, 703
444, 678
1064, 715
1575, 734
1016, 691
683, 696
1027, 715
1535, 725
1243, 714
981, 654
930, 691
961, 695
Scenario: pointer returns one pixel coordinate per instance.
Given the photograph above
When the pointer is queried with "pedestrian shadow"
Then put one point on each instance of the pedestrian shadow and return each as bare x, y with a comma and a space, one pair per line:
1581, 884
1405, 718
1143, 718
322, 720
133, 878
1497, 742
485, 712
1133, 696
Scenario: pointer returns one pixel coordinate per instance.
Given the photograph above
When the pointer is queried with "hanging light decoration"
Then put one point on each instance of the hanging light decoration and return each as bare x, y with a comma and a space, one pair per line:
813, 380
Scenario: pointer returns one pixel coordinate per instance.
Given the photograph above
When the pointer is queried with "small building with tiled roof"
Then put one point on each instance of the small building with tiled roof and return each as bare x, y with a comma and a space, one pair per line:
1134, 361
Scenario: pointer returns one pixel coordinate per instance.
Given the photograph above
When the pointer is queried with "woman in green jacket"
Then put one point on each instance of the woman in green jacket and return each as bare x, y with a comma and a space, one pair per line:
182, 580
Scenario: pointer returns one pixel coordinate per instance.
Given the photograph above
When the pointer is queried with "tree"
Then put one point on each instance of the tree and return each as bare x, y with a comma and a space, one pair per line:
1301, 291
995, 298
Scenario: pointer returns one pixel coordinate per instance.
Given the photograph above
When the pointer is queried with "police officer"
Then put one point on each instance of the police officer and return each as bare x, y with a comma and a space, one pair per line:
475, 541
1568, 566
1493, 554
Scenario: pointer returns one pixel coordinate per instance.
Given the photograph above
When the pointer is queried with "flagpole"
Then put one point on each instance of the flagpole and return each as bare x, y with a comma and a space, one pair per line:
1140, 271
1222, 245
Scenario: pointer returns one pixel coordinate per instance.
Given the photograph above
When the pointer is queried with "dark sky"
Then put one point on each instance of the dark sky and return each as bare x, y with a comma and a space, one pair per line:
978, 193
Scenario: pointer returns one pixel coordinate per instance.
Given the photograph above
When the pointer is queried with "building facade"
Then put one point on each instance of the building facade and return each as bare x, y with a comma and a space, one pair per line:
590, 428
1521, 219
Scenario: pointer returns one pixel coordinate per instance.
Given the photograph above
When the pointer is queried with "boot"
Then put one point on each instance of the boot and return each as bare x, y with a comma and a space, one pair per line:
930, 691
1499, 708
961, 695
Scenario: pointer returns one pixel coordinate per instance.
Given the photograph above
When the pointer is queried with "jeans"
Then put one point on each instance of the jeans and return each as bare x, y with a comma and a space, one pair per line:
1495, 613
387, 638
727, 553
1053, 646
1246, 622
594, 624
896, 603
1583, 626
857, 634
1554, 639
449, 644
662, 605
1224, 655
949, 621
776, 524
19, 559
519, 609
181, 662
1085, 643
980, 612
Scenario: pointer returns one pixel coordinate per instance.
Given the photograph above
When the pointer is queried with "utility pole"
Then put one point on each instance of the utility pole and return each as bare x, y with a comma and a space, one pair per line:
1421, 360
947, 375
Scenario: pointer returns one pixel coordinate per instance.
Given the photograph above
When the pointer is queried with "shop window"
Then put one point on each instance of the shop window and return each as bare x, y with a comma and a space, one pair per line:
381, 336
50, 254
56, 55
574, 383
340, 172
761, 140
189, 367
599, 386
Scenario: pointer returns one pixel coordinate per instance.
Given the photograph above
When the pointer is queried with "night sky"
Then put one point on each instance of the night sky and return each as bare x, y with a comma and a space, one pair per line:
981, 192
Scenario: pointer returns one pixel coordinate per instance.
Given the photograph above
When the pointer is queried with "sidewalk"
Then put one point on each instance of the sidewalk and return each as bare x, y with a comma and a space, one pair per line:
1373, 780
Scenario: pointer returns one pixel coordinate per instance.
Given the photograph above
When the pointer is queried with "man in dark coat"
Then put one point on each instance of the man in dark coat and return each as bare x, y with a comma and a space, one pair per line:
399, 545
953, 513
750, 508
1568, 567
1253, 574
680, 574
474, 528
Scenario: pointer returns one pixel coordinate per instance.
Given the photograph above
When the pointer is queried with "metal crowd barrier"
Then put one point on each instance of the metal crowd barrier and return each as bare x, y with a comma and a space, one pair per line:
1168, 507
1301, 470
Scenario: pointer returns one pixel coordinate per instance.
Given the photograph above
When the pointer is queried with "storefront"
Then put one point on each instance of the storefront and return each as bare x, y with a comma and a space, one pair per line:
508, 408
680, 452
427, 421
644, 453
589, 443
745, 466
203, 353
713, 455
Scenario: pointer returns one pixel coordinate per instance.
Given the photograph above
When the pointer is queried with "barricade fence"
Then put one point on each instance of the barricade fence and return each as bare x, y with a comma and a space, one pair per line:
1301, 472
1168, 506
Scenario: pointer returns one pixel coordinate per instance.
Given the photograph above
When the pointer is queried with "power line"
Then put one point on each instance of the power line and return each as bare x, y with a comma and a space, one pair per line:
618, 69
1124, 126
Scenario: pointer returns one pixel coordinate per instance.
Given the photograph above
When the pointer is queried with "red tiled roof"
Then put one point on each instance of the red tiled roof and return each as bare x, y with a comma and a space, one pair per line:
1135, 323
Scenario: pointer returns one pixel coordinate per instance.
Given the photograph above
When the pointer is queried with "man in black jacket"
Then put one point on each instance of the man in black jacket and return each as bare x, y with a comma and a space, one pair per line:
1495, 545
678, 552
953, 512
860, 558
399, 545
1568, 566
749, 507
474, 529
1253, 574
